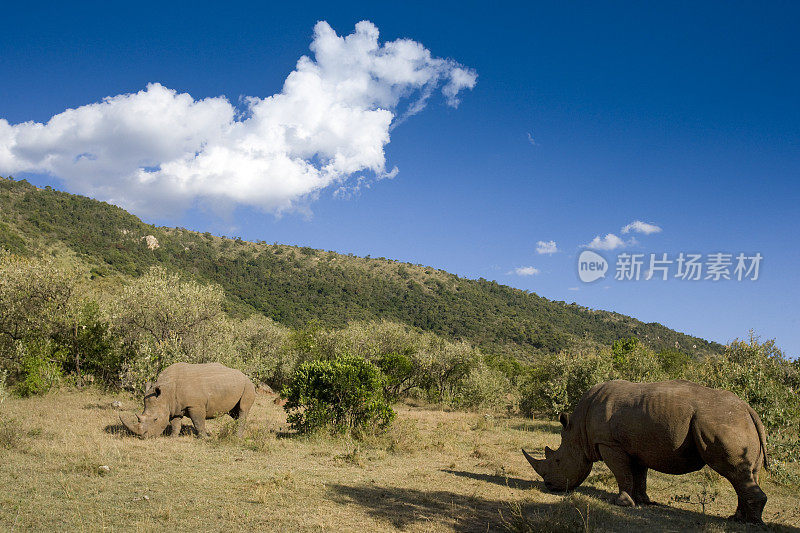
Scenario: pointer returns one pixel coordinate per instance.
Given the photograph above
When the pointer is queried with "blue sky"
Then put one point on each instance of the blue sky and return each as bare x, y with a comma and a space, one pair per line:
682, 116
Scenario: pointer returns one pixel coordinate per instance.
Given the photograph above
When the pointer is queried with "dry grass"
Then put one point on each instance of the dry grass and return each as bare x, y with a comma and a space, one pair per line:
433, 471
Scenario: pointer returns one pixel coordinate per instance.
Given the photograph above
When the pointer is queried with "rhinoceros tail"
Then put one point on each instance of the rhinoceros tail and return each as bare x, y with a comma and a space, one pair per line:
761, 434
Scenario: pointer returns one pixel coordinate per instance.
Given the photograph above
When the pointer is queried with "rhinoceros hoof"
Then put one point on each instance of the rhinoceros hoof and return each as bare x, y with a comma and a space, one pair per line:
623, 499
739, 517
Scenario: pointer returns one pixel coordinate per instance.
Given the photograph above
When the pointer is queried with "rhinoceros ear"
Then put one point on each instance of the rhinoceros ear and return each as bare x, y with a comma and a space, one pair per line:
157, 391
147, 387
564, 419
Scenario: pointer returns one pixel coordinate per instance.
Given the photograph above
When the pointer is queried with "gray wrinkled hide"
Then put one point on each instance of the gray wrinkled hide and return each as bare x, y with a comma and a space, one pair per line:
199, 391
673, 427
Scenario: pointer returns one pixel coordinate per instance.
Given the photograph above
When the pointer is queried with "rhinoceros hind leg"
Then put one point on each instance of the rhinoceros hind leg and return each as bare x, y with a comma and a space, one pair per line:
198, 417
751, 499
622, 467
640, 486
239, 413
244, 405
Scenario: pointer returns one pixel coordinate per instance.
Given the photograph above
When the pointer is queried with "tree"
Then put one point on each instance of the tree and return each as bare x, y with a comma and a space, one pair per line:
163, 318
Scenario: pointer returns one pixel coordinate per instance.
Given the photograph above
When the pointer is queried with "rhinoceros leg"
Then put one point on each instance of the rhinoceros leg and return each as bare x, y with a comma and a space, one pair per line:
751, 499
621, 466
176, 425
640, 485
198, 417
244, 405
737, 457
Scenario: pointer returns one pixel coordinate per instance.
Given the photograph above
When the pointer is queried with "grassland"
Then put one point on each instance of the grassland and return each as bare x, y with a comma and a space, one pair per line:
434, 471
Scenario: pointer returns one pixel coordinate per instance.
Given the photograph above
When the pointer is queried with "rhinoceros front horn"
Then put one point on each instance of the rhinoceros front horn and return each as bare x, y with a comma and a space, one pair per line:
136, 429
534, 462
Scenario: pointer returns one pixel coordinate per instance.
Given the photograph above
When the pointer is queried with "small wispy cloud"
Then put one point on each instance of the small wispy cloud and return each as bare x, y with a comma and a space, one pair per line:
573, 289
525, 271
532, 140
609, 242
546, 247
637, 226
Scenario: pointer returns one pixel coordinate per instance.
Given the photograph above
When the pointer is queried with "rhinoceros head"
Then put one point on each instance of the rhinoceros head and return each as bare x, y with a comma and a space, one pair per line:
155, 418
565, 468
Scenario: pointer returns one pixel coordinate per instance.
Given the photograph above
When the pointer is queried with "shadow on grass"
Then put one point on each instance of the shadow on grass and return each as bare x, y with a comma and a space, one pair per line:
527, 484
511, 482
405, 507
121, 431
544, 426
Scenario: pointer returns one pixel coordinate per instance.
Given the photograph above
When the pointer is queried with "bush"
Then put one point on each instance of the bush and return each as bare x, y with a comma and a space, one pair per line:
635, 362
400, 373
3, 385
162, 318
558, 383
262, 351
344, 394
92, 348
40, 368
484, 387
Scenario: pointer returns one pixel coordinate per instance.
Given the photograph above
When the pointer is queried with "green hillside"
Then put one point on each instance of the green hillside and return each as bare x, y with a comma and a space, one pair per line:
297, 285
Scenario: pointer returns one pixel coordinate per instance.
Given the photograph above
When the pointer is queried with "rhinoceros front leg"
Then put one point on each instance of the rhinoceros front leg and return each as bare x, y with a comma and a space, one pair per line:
198, 417
621, 466
175, 422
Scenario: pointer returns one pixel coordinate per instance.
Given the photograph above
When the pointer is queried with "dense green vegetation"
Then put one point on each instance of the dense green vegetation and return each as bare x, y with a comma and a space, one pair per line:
297, 285
344, 393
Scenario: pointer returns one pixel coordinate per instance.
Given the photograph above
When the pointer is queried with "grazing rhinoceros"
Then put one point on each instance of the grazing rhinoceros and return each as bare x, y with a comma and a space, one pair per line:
673, 427
198, 391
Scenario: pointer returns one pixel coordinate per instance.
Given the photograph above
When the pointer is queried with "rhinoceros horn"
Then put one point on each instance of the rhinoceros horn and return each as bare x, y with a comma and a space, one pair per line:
136, 428
547, 452
534, 462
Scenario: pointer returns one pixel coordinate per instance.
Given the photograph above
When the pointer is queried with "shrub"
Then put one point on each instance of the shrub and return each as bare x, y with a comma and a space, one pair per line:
262, 351
674, 362
3, 385
484, 387
635, 362
162, 318
344, 394
92, 348
559, 382
400, 374
40, 368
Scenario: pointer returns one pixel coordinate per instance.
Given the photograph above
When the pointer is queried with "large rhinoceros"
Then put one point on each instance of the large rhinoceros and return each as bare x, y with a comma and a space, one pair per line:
673, 427
199, 391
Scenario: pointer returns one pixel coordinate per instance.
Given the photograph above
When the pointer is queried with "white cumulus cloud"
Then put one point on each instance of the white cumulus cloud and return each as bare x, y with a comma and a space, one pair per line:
637, 226
157, 151
525, 271
609, 242
546, 247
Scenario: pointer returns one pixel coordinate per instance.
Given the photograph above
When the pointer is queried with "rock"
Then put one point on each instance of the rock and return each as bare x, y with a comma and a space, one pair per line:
117, 404
151, 241
103, 469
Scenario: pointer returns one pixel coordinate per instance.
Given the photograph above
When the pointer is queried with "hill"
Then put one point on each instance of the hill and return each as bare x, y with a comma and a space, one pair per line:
296, 286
